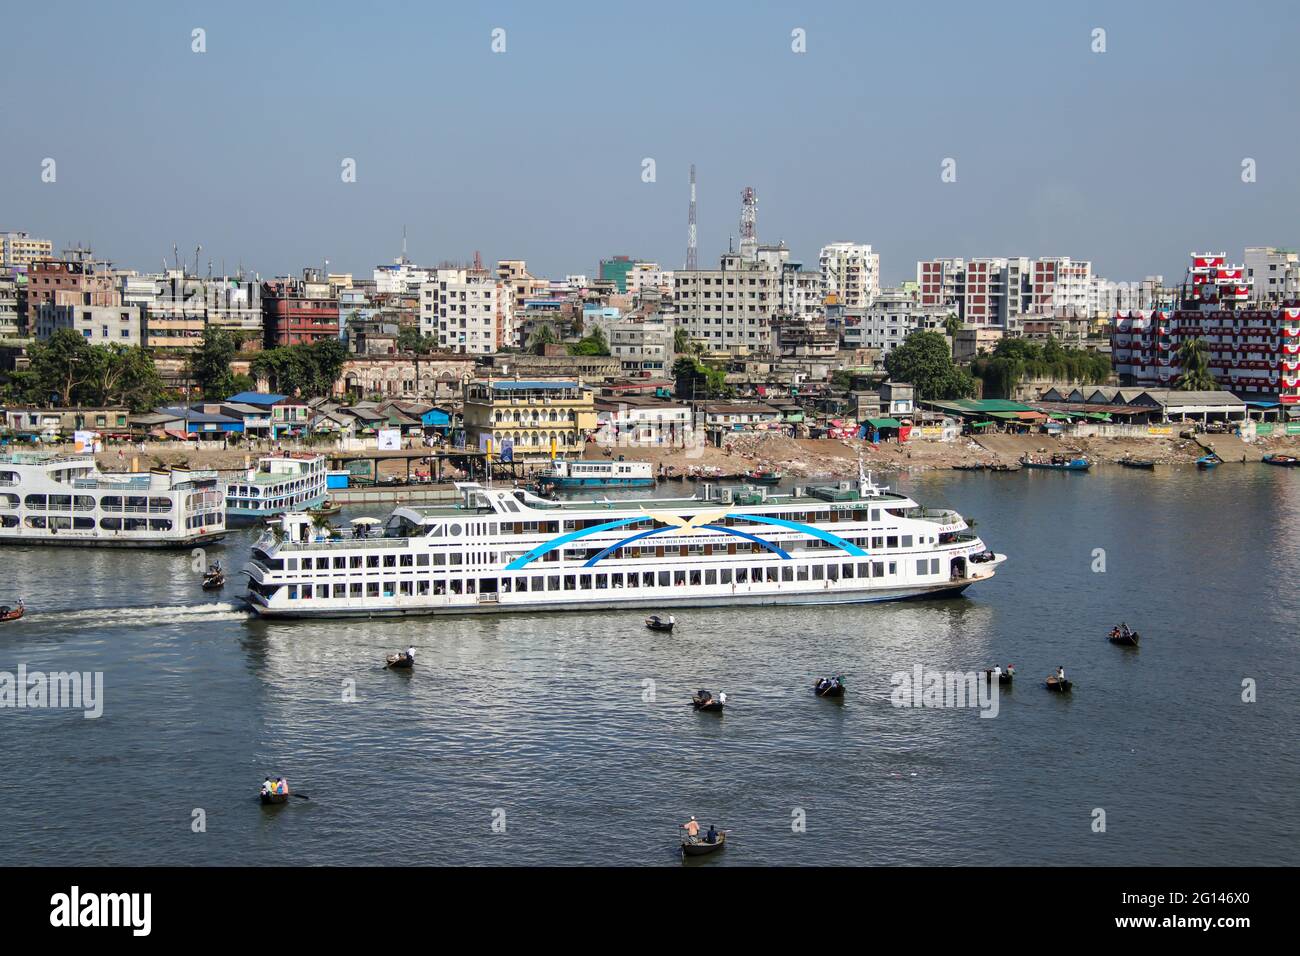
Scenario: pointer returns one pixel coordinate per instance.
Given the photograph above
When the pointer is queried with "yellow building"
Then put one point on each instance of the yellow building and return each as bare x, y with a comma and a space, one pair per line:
20, 249
529, 419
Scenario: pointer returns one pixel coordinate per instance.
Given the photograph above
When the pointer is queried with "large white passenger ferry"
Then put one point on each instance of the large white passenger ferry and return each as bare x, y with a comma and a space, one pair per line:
508, 550
277, 484
598, 474
46, 499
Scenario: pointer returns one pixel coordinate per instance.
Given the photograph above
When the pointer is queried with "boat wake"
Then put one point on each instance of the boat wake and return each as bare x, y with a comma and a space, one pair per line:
118, 616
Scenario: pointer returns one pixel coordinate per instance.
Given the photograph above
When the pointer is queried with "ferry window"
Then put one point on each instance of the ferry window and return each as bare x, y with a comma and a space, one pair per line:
616, 580
893, 567
878, 569
291, 564
407, 560
36, 521
846, 570
891, 541
422, 587
585, 582
726, 575
921, 566
372, 589
877, 543
602, 582
787, 573
803, 573
340, 563
390, 560
665, 579
934, 565
742, 575
293, 592
773, 575
570, 582
695, 578
372, 560
111, 524
634, 580
84, 503
34, 501
160, 504
354, 589
521, 584
422, 560
679, 577
404, 588
340, 590
875, 514
354, 561
457, 558
60, 523
907, 540
454, 530
817, 572
648, 579
552, 582
9, 501
711, 576
864, 569
8, 521
439, 559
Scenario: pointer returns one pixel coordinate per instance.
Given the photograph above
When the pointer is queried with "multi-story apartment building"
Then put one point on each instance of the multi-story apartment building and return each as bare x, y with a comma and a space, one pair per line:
93, 282
850, 271
401, 277
9, 327
468, 310
1060, 286
181, 307
649, 279
529, 419
1254, 352
643, 346
939, 283
1275, 274
20, 249
890, 319
298, 312
637, 420
109, 322
730, 308
616, 269
523, 287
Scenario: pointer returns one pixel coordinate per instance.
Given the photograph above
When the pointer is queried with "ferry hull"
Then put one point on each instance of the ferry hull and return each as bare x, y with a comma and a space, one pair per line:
597, 482
244, 517
69, 541
904, 593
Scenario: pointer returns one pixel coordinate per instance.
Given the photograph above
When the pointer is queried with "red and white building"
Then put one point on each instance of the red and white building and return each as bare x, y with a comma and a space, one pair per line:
1255, 353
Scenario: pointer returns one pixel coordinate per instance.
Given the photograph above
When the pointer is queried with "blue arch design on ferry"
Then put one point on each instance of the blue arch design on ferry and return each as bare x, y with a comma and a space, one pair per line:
562, 540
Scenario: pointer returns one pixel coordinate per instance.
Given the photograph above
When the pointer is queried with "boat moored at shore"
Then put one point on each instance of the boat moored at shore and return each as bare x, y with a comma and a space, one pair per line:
67, 500
598, 474
277, 484
501, 550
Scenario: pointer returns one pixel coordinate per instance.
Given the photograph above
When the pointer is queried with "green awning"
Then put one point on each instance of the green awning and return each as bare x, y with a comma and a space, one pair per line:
980, 424
1059, 416
884, 423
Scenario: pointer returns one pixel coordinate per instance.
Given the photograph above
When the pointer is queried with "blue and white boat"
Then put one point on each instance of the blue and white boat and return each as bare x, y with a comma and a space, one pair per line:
598, 474
278, 484
1057, 463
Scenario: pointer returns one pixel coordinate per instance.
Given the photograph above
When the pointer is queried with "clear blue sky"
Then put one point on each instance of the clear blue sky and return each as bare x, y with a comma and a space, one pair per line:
1131, 157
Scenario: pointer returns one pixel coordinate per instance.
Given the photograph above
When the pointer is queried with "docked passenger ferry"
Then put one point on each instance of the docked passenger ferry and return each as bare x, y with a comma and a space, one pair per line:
504, 549
48, 499
278, 484
598, 474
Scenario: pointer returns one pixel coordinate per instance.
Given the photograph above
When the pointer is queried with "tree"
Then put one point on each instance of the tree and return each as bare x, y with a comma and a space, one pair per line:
60, 366
210, 365
1194, 359
411, 339
593, 344
544, 336
309, 371
122, 375
696, 380
951, 326
1015, 359
681, 340
925, 361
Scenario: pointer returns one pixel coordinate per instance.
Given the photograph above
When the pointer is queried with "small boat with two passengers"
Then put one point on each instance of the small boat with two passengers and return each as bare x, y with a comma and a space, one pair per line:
1005, 675
1282, 461
829, 686
8, 613
657, 622
214, 579
705, 701
1146, 464
1123, 636
1057, 462
702, 845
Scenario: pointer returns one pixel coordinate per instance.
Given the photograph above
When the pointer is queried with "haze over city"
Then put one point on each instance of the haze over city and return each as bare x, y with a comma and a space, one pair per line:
1129, 157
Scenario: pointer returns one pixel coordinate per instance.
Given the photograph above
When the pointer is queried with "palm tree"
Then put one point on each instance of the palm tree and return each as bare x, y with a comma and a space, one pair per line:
1194, 359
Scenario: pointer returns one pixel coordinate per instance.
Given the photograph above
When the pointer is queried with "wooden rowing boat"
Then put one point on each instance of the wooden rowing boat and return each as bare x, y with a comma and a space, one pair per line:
1059, 686
699, 847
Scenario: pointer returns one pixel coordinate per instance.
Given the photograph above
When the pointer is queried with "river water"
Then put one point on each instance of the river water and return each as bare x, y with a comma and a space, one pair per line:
537, 739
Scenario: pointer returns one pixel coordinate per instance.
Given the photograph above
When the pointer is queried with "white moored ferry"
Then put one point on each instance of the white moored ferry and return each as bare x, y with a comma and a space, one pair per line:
278, 483
48, 499
598, 474
508, 550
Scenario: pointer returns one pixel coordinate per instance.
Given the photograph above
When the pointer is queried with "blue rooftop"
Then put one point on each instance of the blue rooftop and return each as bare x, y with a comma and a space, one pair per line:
521, 386
256, 398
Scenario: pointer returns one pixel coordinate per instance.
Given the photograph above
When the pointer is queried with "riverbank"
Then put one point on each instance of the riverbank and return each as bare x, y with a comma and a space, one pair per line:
809, 458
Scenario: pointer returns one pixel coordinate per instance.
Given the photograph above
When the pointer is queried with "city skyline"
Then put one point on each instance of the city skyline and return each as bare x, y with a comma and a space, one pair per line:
536, 153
